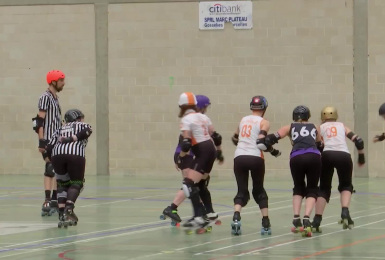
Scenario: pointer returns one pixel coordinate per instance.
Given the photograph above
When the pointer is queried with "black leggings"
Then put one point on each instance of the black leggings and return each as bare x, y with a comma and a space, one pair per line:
256, 166
309, 165
342, 161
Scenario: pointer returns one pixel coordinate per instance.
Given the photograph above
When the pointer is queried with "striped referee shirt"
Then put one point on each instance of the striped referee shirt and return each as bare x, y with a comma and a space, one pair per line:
52, 121
73, 148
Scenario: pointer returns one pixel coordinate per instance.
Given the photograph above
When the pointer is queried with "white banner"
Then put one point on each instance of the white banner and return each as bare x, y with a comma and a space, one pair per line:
214, 15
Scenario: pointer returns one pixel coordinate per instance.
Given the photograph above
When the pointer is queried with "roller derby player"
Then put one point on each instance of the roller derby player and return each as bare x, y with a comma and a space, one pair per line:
203, 102
336, 155
199, 136
46, 122
67, 151
305, 161
249, 158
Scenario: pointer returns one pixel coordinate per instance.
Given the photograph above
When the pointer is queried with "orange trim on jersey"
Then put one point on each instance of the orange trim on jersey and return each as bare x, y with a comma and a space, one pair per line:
190, 98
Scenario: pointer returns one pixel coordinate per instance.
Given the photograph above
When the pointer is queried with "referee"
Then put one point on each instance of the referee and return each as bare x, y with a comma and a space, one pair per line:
67, 147
47, 121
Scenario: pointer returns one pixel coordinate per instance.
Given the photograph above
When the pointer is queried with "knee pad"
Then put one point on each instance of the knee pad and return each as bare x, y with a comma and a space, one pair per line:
261, 198
62, 188
189, 188
325, 194
345, 187
49, 172
242, 198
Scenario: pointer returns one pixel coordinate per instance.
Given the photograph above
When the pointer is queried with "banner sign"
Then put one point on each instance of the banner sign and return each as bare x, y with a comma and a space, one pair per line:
214, 15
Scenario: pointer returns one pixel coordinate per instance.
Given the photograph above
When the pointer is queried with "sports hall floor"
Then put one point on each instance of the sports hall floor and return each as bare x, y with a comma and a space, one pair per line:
119, 219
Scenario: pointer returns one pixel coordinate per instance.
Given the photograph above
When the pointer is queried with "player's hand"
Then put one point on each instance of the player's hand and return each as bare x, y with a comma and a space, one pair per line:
220, 157
379, 138
177, 167
275, 153
42, 145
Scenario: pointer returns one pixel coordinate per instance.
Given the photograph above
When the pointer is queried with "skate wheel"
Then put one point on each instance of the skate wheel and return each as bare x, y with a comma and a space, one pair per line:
209, 229
201, 231
218, 222
188, 232
269, 232
294, 230
43, 214
59, 225
350, 226
162, 217
177, 225
75, 223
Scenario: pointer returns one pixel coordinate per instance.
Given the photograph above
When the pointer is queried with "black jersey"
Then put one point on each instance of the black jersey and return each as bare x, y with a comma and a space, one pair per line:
52, 121
303, 136
73, 148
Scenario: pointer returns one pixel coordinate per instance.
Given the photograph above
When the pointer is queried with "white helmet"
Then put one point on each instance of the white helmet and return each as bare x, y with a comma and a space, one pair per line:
187, 98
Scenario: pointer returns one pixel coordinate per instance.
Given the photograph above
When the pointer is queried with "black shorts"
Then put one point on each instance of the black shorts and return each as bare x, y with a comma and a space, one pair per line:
244, 164
187, 161
342, 162
74, 165
205, 155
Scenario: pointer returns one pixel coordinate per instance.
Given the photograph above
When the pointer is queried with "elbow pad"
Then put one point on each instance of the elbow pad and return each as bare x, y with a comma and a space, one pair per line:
37, 122
84, 134
186, 145
264, 145
217, 138
359, 143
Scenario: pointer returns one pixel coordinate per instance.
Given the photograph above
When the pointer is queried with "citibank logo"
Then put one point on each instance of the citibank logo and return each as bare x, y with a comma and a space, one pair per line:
230, 9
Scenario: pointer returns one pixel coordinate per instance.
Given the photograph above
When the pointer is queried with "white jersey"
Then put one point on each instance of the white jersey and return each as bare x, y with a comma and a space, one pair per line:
249, 129
334, 136
198, 124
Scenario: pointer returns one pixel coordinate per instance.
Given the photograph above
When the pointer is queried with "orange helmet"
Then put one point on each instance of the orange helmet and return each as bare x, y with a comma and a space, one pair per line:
54, 75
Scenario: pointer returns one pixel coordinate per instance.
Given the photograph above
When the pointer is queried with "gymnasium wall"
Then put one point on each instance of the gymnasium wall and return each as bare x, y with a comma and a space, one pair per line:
298, 52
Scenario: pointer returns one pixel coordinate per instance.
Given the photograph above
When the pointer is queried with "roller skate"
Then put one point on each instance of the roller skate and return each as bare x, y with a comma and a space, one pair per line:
68, 218
306, 227
213, 217
196, 225
297, 225
46, 208
62, 223
266, 227
236, 224
54, 206
316, 224
173, 215
346, 220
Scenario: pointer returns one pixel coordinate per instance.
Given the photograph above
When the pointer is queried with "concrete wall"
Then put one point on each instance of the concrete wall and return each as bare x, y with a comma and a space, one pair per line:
34, 40
298, 52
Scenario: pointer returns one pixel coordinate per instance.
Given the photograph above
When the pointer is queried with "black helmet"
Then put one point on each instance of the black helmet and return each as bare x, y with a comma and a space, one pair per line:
72, 115
301, 112
258, 103
381, 111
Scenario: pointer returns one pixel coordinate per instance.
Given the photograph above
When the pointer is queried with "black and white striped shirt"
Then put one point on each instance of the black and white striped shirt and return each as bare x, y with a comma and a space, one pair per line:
73, 148
52, 121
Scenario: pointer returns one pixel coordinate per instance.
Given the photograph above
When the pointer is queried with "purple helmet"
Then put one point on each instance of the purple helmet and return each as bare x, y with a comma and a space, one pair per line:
202, 101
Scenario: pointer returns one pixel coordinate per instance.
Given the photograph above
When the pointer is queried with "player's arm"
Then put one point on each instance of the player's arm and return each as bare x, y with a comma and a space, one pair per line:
358, 142
217, 139
235, 137
38, 127
265, 142
318, 140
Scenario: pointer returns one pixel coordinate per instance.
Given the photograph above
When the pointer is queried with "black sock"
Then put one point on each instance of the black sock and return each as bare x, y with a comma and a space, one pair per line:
296, 216
54, 195
306, 216
47, 194
265, 217
173, 206
319, 215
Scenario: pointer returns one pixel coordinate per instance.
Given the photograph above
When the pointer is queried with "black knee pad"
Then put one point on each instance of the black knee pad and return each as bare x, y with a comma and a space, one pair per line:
242, 198
49, 172
325, 194
260, 197
345, 187
190, 189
